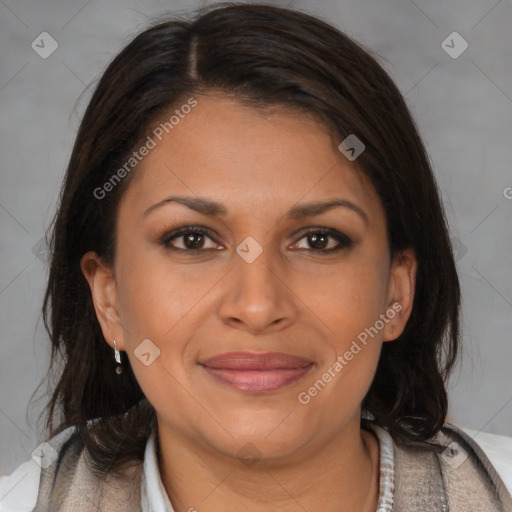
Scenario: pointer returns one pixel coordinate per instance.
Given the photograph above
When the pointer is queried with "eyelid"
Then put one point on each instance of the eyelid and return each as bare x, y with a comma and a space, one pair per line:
318, 229
178, 232
344, 241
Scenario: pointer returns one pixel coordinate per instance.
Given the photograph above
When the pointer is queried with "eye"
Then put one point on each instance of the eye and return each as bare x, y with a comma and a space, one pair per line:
318, 240
193, 238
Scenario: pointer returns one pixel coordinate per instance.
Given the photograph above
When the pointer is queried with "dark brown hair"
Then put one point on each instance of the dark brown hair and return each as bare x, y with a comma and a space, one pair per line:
264, 56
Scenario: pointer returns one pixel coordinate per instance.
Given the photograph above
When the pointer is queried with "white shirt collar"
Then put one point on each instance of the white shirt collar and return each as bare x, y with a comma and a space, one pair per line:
154, 496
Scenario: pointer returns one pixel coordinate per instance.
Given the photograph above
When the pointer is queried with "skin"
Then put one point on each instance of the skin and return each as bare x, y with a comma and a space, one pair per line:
292, 299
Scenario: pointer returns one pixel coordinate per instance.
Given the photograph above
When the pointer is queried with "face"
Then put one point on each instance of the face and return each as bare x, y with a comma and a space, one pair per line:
294, 297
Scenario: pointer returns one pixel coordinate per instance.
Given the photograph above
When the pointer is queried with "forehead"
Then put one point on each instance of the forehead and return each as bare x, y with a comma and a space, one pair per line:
248, 159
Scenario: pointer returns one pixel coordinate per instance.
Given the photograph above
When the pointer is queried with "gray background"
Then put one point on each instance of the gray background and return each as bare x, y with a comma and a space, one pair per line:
463, 108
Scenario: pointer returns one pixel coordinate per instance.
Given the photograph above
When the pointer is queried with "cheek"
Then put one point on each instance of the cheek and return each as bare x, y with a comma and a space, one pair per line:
349, 364
157, 304
155, 294
350, 304
352, 298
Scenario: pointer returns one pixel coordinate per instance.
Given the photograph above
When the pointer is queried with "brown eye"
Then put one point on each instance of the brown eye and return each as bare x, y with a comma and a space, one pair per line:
190, 238
324, 240
318, 240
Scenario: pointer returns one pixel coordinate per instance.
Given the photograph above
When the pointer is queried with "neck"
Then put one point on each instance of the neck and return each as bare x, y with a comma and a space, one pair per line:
342, 476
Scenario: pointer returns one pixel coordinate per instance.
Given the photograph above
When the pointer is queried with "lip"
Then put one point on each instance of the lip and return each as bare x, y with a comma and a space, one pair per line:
257, 372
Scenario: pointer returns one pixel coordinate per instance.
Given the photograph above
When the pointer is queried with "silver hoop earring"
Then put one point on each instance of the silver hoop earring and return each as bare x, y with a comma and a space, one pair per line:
117, 357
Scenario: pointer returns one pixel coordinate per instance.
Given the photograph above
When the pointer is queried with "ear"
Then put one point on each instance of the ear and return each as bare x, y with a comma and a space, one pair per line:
400, 297
104, 297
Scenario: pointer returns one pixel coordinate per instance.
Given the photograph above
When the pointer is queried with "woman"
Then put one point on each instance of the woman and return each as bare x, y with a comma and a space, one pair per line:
253, 287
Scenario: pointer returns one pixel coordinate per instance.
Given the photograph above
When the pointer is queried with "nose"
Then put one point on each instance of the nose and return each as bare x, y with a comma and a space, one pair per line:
258, 298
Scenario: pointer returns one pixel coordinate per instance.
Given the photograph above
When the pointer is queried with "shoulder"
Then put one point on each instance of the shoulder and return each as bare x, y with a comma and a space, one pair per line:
498, 449
58, 477
454, 469
19, 490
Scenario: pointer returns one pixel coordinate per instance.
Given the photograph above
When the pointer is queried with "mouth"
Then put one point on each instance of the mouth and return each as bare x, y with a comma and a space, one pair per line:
256, 372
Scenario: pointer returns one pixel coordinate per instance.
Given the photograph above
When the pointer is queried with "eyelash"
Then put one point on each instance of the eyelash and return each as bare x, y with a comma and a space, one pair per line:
343, 240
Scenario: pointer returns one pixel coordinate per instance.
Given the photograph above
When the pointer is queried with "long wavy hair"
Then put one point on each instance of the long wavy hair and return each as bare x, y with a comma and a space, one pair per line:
263, 56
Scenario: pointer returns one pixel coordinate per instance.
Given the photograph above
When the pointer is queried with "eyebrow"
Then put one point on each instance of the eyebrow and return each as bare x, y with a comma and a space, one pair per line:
212, 208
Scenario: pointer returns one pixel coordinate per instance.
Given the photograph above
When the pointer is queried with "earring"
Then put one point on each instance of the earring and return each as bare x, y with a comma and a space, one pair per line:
117, 357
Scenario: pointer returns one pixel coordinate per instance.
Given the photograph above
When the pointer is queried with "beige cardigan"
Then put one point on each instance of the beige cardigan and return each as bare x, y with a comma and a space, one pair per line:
424, 481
